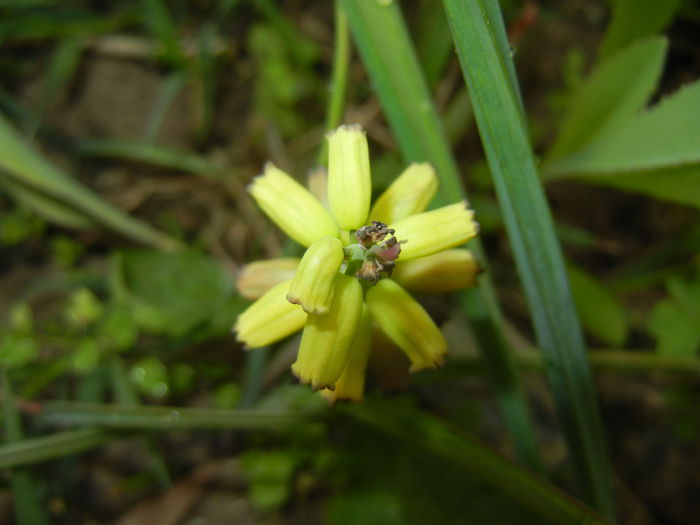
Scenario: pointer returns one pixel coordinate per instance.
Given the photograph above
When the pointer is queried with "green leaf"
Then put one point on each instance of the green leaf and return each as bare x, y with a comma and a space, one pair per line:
674, 321
21, 165
173, 293
617, 89
600, 312
17, 350
270, 475
655, 152
634, 19
498, 113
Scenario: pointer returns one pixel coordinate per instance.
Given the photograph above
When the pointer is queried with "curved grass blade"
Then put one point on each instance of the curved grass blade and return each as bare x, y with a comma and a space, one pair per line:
531, 232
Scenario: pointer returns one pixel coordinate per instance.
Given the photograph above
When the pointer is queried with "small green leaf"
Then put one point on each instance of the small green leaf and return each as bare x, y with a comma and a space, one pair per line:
634, 19
86, 356
270, 474
22, 318
151, 376
173, 293
675, 329
17, 350
83, 308
599, 311
617, 89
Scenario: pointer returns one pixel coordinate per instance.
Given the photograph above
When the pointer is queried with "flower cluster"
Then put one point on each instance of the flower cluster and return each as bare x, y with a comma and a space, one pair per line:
356, 268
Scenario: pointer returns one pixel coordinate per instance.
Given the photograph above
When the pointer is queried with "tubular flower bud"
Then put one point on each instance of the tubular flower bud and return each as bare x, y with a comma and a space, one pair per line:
409, 194
407, 324
351, 383
291, 206
270, 318
349, 180
438, 273
434, 231
312, 286
327, 339
259, 276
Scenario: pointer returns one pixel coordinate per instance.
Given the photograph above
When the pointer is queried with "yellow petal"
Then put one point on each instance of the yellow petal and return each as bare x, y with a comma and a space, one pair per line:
312, 286
433, 231
270, 318
349, 179
440, 272
291, 206
327, 339
407, 324
351, 383
258, 277
409, 194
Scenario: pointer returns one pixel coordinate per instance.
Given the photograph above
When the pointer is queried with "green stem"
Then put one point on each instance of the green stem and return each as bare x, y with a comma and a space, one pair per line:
339, 78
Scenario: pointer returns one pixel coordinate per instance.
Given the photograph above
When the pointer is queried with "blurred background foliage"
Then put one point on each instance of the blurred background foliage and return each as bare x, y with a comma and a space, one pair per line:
128, 131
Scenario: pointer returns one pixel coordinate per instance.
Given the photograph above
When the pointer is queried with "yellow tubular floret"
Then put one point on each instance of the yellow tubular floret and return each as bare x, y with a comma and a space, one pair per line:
327, 339
291, 206
258, 277
407, 324
351, 383
440, 272
312, 286
433, 231
409, 194
270, 318
349, 179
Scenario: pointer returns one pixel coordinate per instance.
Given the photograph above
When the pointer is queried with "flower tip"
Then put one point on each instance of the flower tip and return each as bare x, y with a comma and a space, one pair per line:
346, 128
318, 309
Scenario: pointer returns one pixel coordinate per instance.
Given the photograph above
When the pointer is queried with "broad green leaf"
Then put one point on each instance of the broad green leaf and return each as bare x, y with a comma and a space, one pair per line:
618, 88
173, 293
19, 163
600, 312
635, 19
665, 136
674, 321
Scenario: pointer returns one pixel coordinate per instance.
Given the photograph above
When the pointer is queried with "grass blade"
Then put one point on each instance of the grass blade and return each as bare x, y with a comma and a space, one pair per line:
390, 59
531, 232
138, 417
34, 450
18, 162
451, 444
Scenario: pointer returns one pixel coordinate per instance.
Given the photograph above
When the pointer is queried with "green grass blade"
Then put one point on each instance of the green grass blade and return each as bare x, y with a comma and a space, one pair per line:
452, 444
19, 162
28, 511
531, 232
34, 450
391, 62
138, 417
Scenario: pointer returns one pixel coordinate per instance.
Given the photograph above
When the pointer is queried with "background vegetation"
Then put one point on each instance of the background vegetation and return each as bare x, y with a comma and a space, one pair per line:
128, 132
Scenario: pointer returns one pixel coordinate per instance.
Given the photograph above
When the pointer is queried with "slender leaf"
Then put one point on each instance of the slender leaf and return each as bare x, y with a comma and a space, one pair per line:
34, 450
390, 59
618, 88
428, 433
138, 417
533, 240
19, 163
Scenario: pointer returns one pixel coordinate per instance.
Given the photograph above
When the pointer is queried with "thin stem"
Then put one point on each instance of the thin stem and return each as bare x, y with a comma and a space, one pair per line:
339, 78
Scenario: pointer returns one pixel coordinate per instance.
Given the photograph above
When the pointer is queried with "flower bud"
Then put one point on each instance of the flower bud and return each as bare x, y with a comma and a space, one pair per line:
434, 231
327, 339
351, 383
440, 272
312, 286
291, 206
409, 194
258, 277
349, 181
269, 319
407, 324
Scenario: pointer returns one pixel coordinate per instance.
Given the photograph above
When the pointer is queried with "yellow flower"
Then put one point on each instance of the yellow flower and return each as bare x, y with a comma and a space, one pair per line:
343, 285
